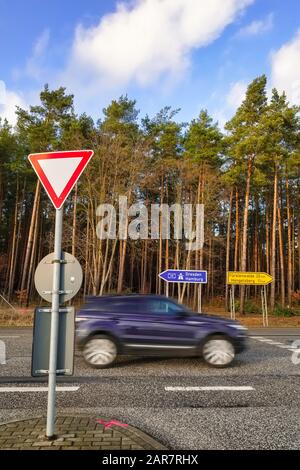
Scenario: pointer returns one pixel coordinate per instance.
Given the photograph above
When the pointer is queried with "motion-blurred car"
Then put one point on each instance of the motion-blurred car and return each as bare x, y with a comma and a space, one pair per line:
148, 325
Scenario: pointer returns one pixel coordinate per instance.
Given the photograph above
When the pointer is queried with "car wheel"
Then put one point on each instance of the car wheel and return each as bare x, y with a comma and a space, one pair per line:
218, 351
100, 352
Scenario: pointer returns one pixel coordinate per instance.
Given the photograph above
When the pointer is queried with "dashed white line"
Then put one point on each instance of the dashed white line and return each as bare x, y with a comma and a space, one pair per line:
287, 347
209, 388
9, 336
36, 389
265, 340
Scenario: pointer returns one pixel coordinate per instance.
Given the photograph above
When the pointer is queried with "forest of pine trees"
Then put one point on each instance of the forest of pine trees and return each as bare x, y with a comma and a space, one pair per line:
247, 176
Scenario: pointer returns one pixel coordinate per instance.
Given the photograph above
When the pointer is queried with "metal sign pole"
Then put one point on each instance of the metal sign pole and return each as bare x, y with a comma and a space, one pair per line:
266, 307
200, 298
233, 302
54, 325
167, 289
263, 305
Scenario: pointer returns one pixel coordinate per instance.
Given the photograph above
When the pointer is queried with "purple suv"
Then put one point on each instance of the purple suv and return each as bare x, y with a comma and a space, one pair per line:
148, 325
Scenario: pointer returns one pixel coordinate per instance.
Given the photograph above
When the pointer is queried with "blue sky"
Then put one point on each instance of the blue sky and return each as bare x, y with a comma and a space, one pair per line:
188, 54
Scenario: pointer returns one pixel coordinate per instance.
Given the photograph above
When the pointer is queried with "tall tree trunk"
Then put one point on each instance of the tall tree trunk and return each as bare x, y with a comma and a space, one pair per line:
281, 259
273, 252
298, 243
30, 236
187, 266
237, 231
293, 247
267, 241
167, 265
160, 242
131, 272
109, 269
33, 252
255, 250
123, 245
87, 243
145, 287
289, 246
211, 257
74, 220
14, 246
160, 254
228, 247
245, 232
1, 196
177, 267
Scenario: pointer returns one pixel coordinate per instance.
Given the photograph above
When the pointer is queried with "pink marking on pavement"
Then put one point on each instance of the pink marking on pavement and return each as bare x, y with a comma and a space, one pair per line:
112, 422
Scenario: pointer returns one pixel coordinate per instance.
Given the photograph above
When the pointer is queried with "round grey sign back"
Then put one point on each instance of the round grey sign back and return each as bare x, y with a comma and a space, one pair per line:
70, 277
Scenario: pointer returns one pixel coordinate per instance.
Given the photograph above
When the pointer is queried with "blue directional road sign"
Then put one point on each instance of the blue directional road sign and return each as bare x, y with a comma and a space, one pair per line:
184, 275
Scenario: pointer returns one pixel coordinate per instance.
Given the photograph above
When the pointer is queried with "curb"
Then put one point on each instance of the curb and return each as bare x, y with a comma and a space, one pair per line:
80, 432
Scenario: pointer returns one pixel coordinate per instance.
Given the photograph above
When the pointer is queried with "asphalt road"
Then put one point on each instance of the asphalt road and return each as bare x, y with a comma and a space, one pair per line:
181, 402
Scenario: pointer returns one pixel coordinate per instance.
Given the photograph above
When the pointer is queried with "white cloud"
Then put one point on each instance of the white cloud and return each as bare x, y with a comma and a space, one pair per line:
145, 40
34, 65
258, 26
236, 94
8, 102
233, 99
221, 116
286, 69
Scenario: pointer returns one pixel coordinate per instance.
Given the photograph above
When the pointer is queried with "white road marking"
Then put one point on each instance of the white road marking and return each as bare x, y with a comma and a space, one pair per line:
265, 340
288, 347
36, 389
133, 345
257, 338
210, 387
9, 336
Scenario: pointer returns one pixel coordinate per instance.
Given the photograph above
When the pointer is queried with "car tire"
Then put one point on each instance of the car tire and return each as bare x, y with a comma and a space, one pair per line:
100, 351
218, 351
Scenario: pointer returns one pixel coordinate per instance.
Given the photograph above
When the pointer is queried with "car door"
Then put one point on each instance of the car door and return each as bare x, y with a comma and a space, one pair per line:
161, 326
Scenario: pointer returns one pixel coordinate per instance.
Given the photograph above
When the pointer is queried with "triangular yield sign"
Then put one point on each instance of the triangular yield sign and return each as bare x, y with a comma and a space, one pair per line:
59, 171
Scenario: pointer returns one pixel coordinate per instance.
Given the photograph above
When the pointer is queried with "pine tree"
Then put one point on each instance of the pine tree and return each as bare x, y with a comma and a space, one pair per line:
244, 146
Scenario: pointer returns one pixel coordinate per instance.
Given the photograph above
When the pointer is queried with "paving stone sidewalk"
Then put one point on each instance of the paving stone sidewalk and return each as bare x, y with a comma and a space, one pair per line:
74, 433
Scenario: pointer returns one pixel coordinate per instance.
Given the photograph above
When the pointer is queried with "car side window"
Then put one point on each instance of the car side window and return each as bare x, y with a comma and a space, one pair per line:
161, 306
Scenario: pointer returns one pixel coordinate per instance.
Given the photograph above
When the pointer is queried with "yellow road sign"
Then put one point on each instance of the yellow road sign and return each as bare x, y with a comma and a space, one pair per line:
248, 278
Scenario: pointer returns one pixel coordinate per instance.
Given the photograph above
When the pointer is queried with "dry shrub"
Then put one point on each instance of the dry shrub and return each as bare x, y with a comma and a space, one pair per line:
22, 317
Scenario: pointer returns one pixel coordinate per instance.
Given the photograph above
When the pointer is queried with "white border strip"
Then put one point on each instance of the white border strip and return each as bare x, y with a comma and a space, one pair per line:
160, 346
9, 336
36, 389
210, 387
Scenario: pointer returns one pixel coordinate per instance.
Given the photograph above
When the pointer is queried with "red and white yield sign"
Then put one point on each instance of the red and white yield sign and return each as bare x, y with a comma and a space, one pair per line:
59, 171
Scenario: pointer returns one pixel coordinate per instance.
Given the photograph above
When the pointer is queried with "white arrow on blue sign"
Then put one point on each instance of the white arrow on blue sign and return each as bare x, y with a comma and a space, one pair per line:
184, 275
